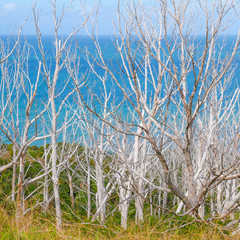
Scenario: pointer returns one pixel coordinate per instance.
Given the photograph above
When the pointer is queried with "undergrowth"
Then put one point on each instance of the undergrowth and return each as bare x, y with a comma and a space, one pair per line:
37, 225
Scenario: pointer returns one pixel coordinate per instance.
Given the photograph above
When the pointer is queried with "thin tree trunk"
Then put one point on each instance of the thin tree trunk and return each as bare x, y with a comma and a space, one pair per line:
45, 188
151, 200
159, 204
55, 176
20, 195
219, 199
164, 201
71, 191
14, 174
88, 188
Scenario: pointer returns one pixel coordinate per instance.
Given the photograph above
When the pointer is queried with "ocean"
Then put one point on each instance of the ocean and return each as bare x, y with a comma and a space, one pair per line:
14, 116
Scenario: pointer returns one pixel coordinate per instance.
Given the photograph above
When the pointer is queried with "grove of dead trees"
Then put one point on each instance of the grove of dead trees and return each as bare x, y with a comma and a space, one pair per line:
154, 129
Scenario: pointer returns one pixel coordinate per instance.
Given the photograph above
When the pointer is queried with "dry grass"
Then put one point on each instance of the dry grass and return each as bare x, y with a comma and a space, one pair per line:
34, 227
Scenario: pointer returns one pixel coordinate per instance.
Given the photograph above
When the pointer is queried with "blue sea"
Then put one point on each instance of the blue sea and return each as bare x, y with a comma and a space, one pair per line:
31, 55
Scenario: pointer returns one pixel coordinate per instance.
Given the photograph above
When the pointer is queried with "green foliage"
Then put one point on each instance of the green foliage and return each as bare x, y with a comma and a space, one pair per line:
36, 152
39, 225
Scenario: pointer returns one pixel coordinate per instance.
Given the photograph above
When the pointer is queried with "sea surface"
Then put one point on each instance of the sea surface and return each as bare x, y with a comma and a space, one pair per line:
29, 52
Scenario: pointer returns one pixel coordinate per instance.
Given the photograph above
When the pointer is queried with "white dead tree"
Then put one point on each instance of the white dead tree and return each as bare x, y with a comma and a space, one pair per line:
97, 137
200, 74
10, 93
4, 56
9, 106
224, 149
61, 54
67, 149
21, 128
123, 149
9, 52
132, 164
163, 68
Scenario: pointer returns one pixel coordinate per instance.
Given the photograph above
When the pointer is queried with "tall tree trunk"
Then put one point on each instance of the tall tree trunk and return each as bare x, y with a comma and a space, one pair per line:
125, 193
159, 204
20, 195
124, 213
71, 191
138, 161
55, 177
164, 201
101, 193
88, 187
45, 188
139, 201
219, 199
14, 174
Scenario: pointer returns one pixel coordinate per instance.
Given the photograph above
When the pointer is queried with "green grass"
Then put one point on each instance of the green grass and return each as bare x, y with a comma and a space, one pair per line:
37, 225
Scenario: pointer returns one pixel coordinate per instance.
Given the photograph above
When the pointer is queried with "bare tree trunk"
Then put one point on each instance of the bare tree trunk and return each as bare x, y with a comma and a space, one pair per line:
139, 201
219, 199
46, 184
212, 204
20, 195
164, 201
101, 192
45, 193
61, 57
124, 213
159, 204
88, 185
14, 174
201, 211
151, 200
71, 191
139, 166
55, 177
125, 193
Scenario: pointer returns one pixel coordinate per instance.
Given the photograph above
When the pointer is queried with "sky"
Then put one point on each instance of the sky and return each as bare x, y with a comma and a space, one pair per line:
14, 12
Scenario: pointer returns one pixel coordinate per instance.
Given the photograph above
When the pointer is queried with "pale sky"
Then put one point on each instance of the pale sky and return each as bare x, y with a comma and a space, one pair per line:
14, 12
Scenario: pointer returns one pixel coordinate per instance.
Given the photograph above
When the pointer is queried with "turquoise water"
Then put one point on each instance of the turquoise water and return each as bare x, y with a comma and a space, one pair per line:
93, 83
